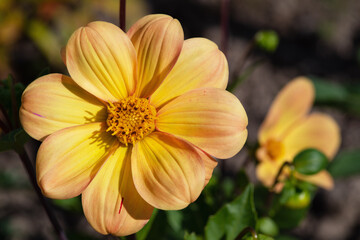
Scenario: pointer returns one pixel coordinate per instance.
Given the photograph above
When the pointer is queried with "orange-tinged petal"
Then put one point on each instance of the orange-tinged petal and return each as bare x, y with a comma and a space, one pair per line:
201, 64
111, 203
63, 54
209, 163
212, 119
168, 172
69, 159
158, 40
54, 102
318, 131
291, 105
101, 59
322, 179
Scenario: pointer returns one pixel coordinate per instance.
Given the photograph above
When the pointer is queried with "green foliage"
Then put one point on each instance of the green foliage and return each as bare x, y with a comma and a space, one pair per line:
192, 236
143, 233
233, 217
260, 237
298, 200
14, 140
341, 96
310, 161
267, 40
10, 97
267, 226
285, 237
287, 218
345, 164
71, 204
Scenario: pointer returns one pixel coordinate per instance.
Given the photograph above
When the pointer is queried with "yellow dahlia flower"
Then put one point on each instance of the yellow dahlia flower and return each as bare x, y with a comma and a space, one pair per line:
136, 124
289, 128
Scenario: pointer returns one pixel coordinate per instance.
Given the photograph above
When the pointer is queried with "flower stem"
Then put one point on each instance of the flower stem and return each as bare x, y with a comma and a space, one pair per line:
224, 25
13, 103
122, 15
270, 198
279, 173
3, 127
31, 173
248, 230
6, 117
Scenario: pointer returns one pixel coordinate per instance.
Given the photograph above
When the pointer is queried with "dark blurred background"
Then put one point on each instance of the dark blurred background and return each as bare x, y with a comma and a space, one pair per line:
318, 38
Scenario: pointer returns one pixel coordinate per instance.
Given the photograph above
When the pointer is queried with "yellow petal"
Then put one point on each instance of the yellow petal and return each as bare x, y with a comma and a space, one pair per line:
322, 179
266, 172
111, 203
54, 102
102, 60
318, 131
69, 159
168, 172
291, 104
158, 40
212, 119
201, 64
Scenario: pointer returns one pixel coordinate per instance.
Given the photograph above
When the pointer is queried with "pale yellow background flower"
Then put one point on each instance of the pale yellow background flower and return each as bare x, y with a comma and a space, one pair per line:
289, 128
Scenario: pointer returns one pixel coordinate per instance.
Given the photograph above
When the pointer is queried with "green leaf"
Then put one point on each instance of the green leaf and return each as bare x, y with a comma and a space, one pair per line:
287, 192
345, 164
175, 219
260, 237
191, 236
287, 218
267, 40
310, 161
143, 233
264, 237
286, 237
14, 140
267, 226
233, 217
72, 204
342, 96
327, 92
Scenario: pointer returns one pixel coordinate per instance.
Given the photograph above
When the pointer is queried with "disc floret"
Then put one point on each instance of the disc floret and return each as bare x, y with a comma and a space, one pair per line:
131, 119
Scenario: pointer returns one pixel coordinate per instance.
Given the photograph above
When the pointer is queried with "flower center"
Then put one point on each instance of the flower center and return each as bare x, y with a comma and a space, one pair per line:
131, 119
274, 148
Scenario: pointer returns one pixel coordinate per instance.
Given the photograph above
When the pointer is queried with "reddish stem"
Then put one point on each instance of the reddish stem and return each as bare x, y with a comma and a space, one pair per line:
224, 25
122, 15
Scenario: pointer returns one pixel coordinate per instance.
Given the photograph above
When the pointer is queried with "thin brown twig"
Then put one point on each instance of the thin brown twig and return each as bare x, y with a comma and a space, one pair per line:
247, 230
31, 173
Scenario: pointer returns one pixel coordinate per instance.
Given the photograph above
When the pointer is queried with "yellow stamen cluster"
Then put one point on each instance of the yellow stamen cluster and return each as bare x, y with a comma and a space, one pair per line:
131, 119
274, 148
